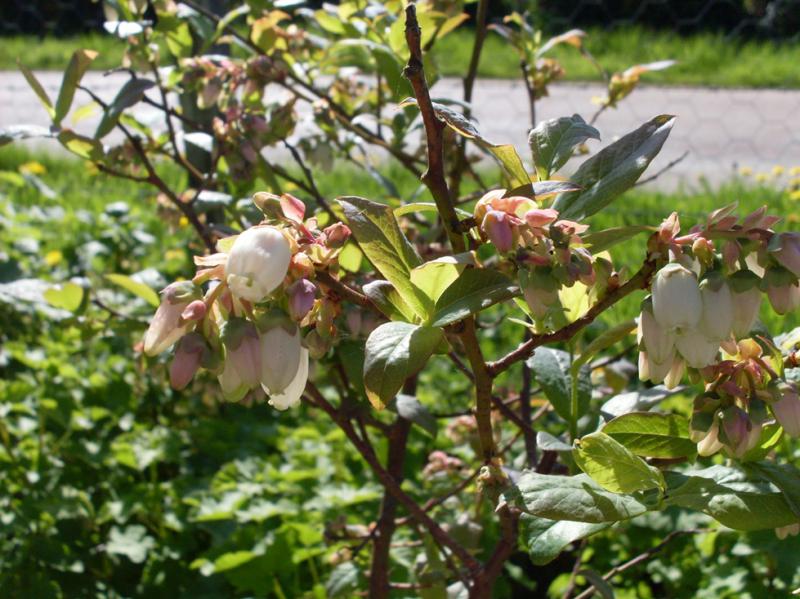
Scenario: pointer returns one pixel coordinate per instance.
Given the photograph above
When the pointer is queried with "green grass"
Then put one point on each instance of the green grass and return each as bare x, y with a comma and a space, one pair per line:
704, 59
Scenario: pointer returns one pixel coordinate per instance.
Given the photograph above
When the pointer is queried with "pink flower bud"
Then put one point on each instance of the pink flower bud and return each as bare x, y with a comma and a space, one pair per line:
257, 263
187, 360
787, 251
293, 208
301, 295
280, 356
337, 235
539, 217
738, 428
669, 228
291, 395
167, 325
784, 298
242, 350
196, 310
787, 411
677, 303
498, 228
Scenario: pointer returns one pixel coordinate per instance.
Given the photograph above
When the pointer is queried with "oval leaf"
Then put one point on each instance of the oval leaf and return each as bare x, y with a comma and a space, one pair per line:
614, 467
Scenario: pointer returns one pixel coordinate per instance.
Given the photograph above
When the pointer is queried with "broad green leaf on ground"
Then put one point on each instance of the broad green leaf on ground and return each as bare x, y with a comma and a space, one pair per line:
380, 238
614, 467
37, 89
575, 498
384, 295
546, 539
608, 238
435, 276
80, 145
78, 64
68, 296
553, 140
410, 408
506, 154
653, 435
474, 290
135, 287
394, 352
614, 169
731, 497
551, 368
129, 94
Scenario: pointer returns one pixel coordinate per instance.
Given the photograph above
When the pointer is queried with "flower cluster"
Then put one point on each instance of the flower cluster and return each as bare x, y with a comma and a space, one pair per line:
703, 306
549, 251
247, 325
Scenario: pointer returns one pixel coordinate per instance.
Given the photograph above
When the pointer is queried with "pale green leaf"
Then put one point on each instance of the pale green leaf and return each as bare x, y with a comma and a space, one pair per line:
78, 64
613, 466
135, 287
474, 290
67, 296
653, 435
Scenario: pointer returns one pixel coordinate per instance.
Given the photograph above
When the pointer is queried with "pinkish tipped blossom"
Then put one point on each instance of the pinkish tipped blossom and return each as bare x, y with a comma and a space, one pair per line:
293, 208
242, 350
301, 294
167, 325
187, 360
196, 310
337, 235
784, 298
499, 229
787, 411
539, 217
788, 252
669, 228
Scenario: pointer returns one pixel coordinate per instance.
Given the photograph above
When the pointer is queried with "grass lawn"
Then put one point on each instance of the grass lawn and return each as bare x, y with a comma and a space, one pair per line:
704, 59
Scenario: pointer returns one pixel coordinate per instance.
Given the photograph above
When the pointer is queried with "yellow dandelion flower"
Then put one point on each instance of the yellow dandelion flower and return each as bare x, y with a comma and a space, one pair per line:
183, 222
32, 168
745, 171
762, 177
794, 171
53, 257
778, 170
795, 195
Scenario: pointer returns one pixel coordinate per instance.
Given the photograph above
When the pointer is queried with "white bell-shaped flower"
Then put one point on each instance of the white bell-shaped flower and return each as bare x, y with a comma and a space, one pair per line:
280, 357
698, 350
650, 370
676, 298
290, 397
658, 341
717, 319
257, 263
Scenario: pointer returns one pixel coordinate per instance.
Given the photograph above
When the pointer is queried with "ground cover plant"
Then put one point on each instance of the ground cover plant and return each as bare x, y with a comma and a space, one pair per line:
424, 393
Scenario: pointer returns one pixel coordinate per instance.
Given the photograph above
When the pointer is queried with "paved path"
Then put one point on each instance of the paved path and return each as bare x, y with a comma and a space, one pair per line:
721, 128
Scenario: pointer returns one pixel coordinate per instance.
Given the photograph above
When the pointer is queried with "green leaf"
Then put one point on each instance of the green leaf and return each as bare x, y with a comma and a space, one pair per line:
600, 584
435, 276
380, 238
384, 295
233, 559
410, 408
546, 539
394, 352
37, 89
129, 94
607, 238
614, 169
78, 64
613, 466
68, 296
553, 140
80, 145
135, 287
474, 290
730, 497
784, 476
653, 435
551, 367
575, 498
425, 207
343, 580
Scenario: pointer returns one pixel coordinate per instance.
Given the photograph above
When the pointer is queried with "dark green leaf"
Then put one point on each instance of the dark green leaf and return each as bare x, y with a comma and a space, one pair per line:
394, 352
600, 584
384, 295
546, 539
553, 140
131, 93
614, 169
575, 498
784, 476
410, 408
653, 435
474, 290
551, 367
607, 238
